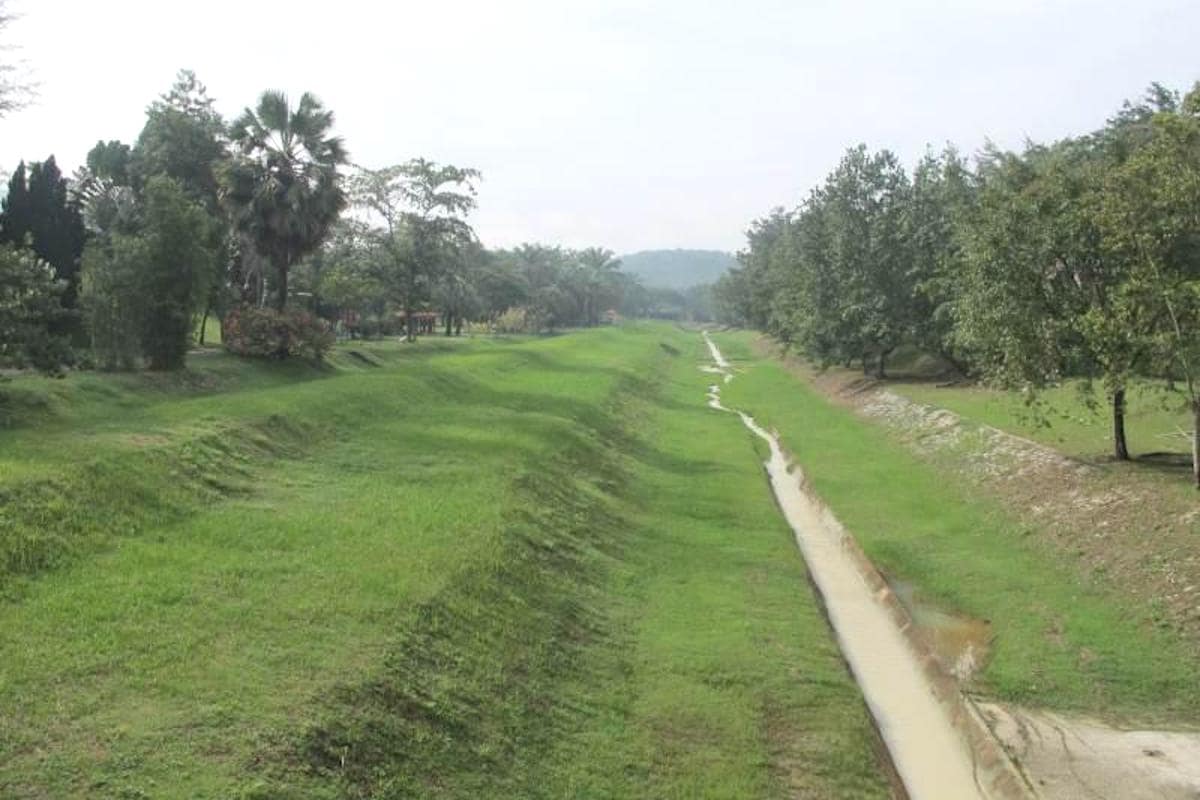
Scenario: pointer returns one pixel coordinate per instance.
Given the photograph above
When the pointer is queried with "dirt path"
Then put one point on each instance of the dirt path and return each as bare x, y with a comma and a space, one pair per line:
933, 760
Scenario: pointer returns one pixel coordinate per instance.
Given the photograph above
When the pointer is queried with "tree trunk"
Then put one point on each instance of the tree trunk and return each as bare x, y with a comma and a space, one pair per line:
285, 344
449, 324
1120, 446
281, 301
880, 371
1196, 442
204, 324
458, 323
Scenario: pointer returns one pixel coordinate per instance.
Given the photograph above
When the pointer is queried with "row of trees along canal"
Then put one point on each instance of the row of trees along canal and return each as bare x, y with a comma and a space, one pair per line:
265, 225
1077, 259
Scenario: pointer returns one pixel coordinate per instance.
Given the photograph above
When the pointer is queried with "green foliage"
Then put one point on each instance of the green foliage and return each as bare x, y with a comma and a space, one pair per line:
143, 291
30, 310
40, 212
836, 276
183, 138
111, 298
175, 271
269, 333
557, 287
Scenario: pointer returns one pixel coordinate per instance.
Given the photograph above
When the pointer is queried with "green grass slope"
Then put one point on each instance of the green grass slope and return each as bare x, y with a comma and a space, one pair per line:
528, 568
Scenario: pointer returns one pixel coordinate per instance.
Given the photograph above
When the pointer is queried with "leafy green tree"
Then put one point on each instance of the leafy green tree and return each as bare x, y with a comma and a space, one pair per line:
456, 290
422, 208
1151, 219
1009, 314
864, 201
184, 139
1042, 297
943, 192
176, 271
282, 183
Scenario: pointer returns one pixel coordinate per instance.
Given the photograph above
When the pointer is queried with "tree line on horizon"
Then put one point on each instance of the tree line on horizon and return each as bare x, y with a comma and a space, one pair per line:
264, 224
1074, 259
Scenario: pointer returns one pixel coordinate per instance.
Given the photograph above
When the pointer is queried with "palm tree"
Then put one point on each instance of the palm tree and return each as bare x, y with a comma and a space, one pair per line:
602, 279
282, 184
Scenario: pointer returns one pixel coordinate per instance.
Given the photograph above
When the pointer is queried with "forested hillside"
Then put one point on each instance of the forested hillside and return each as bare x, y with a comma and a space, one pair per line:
677, 269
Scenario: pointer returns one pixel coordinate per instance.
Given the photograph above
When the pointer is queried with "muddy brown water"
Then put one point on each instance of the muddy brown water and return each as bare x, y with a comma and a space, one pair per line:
962, 644
933, 761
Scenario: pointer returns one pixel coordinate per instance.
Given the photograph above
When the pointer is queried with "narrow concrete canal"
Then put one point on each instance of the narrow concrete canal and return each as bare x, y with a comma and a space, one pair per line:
930, 755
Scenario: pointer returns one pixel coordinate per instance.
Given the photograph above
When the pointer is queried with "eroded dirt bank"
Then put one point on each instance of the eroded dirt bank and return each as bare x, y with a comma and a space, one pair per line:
929, 752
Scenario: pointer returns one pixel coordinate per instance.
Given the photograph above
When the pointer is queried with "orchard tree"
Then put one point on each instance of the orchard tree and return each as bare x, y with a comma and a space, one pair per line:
282, 183
943, 191
1042, 296
1151, 218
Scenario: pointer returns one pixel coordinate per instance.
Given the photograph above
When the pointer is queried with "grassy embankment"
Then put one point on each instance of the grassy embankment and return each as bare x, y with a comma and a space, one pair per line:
535, 569
1156, 421
1066, 417
1062, 641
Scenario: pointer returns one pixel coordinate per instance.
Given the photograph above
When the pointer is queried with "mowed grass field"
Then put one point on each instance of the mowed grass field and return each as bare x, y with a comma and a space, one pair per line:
1061, 641
487, 568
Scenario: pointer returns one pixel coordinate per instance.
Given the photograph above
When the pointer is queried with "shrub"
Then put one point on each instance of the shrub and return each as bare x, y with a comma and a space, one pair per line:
514, 320
29, 313
267, 333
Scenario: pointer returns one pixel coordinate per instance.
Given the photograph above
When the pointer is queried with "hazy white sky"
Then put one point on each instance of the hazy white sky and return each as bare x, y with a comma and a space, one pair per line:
626, 124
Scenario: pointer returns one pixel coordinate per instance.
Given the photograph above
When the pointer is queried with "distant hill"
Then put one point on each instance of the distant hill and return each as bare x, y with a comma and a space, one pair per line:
677, 269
